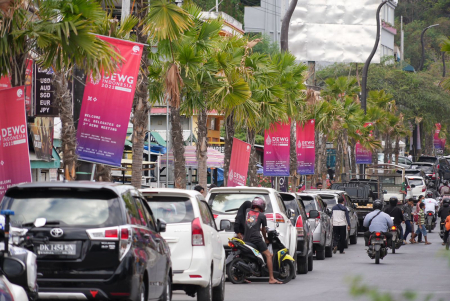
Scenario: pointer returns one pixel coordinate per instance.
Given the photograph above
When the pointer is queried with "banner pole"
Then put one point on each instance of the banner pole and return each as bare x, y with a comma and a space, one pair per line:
93, 172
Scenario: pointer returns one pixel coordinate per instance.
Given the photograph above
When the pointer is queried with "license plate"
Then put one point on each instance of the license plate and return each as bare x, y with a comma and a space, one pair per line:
57, 249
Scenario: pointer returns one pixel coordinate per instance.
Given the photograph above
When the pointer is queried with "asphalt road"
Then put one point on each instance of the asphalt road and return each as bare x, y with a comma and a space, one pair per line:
419, 268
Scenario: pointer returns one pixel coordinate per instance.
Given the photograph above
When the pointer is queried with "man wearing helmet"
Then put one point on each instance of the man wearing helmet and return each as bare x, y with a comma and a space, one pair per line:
443, 213
255, 223
378, 221
396, 213
430, 204
444, 189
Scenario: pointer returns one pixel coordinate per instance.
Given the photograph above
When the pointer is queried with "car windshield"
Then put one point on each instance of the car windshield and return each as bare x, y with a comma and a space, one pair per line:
427, 159
67, 211
309, 203
230, 202
425, 168
330, 200
171, 209
416, 182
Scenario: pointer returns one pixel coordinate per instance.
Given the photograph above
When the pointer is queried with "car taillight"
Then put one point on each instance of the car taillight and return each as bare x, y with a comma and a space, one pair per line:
197, 233
424, 189
307, 214
110, 233
438, 166
299, 226
433, 176
318, 215
125, 241
278, 217
215, 216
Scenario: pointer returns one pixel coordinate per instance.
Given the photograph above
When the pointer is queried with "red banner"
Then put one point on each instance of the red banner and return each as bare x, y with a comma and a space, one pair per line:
106, 108
14, 154
240, 156
306, 153
437, 141
277, 150
5, 82
363, 155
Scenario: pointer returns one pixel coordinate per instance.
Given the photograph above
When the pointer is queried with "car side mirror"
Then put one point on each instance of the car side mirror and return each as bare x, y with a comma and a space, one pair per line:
313, 214
40, 222
13, 267
291, 213
225, 225
161, 225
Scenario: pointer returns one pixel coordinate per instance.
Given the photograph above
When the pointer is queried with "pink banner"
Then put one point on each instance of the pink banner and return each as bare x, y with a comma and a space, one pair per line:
240, 156
443, 143
5, 82
306, 151
437, 141
106, 107
14, 154
363, 155
277, 150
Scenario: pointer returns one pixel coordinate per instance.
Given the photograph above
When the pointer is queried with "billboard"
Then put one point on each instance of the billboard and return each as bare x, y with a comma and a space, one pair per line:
334, 30
277, 150
14, 155
42, 137
305, 148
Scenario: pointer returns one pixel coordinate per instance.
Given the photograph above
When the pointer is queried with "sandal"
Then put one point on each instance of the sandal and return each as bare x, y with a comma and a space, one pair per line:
428, 243
412, 241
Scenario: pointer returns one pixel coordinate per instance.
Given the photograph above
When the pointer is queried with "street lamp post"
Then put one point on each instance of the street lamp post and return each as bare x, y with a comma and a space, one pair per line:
423, 46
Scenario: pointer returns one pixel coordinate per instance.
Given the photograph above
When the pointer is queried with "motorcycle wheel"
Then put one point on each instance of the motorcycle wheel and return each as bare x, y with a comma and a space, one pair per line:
377, 257
393, 247
287, 271
235, 275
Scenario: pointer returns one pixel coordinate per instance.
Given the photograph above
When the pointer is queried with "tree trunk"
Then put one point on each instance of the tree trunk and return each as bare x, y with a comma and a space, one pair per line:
202, 149
103, 173
284, 34
345, 154
318, 168
178, 149
252, 169
386, 149
293, 156
229, 134
68, 132
140, 104
322, 162
338, 171
397, 149
353, 155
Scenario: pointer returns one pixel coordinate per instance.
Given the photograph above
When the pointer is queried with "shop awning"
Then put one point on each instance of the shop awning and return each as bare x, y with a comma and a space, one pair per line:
157, 138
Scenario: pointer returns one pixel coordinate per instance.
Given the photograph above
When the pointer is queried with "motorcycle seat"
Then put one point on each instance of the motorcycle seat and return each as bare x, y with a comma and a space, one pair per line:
251, 245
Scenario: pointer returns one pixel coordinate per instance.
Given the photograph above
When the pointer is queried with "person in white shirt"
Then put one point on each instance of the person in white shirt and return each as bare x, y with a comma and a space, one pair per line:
430, 204
410, 157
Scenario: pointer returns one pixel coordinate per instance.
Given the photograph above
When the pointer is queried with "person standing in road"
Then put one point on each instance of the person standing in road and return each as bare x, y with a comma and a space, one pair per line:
421, 224
396, 213
341, 224
443, 213
407, 216
330, 173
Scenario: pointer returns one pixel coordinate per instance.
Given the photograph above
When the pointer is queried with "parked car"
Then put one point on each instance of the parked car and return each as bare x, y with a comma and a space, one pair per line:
415, 186
299, 219
430, 170
100, 241
198, 257
441, 163
330, 197
402, 161
225, 202
319, 219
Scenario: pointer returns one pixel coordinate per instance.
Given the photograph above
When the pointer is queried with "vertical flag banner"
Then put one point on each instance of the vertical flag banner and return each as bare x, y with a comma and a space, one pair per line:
305, 148
5, 82
42, 136
363, 155
14, 155
106, 107
437, 141
277, 150
240, 156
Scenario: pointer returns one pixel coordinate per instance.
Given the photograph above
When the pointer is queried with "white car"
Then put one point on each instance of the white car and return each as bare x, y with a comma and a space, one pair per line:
225, 202
415, 186
198, 257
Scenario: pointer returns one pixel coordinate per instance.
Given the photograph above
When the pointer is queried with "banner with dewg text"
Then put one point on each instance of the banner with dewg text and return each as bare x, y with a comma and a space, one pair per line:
106, 107
305, 148
240, 156
277, 150
363, 155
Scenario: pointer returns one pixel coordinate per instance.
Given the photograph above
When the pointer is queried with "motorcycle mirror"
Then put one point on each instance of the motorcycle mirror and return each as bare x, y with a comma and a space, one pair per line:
40, 222
13, 267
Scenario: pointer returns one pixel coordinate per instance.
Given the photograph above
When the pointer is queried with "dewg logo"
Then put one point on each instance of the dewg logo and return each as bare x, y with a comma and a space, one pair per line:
136, 49
268, 140
230, 175
19, 92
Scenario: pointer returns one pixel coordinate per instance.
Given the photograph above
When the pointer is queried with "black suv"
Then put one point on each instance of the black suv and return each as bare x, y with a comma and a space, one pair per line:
297, 215
441, 163
100, 241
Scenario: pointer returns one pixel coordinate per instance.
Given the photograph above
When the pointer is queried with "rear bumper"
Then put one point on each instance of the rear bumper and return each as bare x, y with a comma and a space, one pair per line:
199, 271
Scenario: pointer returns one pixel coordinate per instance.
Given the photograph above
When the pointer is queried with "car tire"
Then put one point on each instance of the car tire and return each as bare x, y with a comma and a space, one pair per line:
142, 292
218, 292
320, 252
205, 293
310, 262
302, 265
167, 294
329, 251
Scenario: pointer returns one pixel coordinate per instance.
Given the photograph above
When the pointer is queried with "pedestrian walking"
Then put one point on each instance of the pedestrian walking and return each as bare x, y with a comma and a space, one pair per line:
416, 214
407, 215
341, 224
421, 224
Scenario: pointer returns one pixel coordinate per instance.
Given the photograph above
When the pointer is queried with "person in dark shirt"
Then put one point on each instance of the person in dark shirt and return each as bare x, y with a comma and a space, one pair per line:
443, 213
396, 213
256, 222
239, 222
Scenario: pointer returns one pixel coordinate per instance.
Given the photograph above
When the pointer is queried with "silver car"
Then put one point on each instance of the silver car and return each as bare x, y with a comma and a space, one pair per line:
320, 221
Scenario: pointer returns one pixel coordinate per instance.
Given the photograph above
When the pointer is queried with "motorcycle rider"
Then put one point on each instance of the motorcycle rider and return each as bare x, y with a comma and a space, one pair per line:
430, 204
396, 213
444, 189
256, 222
378, 221
443, 213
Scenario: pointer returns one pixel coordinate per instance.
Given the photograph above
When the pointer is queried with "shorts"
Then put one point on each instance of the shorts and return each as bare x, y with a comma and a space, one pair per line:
260, 245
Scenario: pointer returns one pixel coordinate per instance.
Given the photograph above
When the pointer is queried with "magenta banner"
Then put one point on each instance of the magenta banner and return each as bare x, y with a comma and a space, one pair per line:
437, 141
305, 149
240, 156
277, 150
106, 107
14, 154
363, 155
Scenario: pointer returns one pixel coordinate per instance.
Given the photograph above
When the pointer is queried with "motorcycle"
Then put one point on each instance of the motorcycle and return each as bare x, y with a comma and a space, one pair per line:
397, 242
377, 246
430, 222
246, 261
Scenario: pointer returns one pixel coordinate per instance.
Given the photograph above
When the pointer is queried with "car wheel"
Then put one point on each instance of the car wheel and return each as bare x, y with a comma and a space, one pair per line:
167, 294
329, 251
302, 265
219, 291
320, 252
310, 262
205, 293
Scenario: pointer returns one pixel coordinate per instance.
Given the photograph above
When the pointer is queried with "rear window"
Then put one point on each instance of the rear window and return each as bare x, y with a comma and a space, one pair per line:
330, 200
230, 202
425, 168
309, 203
427, 159
417, 182
68, 211
171, 209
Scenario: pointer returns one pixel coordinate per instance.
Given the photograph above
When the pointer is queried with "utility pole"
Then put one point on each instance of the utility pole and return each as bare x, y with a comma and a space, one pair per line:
422, 59
402, 40
125, 11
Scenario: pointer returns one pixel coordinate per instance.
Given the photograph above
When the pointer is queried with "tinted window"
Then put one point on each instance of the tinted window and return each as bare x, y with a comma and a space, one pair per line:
443, 162
427, 159
207, 218
132, 211
68, 211
330, 200
171, 209
149, 215
309, 203
417, 182
141, 212
230, 202
281, 204
425, 168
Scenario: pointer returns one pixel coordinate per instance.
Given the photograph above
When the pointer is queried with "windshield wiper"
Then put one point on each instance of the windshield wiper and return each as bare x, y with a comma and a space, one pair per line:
235, 209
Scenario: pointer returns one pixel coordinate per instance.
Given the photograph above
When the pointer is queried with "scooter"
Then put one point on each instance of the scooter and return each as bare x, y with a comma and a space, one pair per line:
430, 222
246, 261
377, 246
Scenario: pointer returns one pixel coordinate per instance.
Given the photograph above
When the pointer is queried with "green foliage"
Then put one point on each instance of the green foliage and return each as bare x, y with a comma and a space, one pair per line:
234, 8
